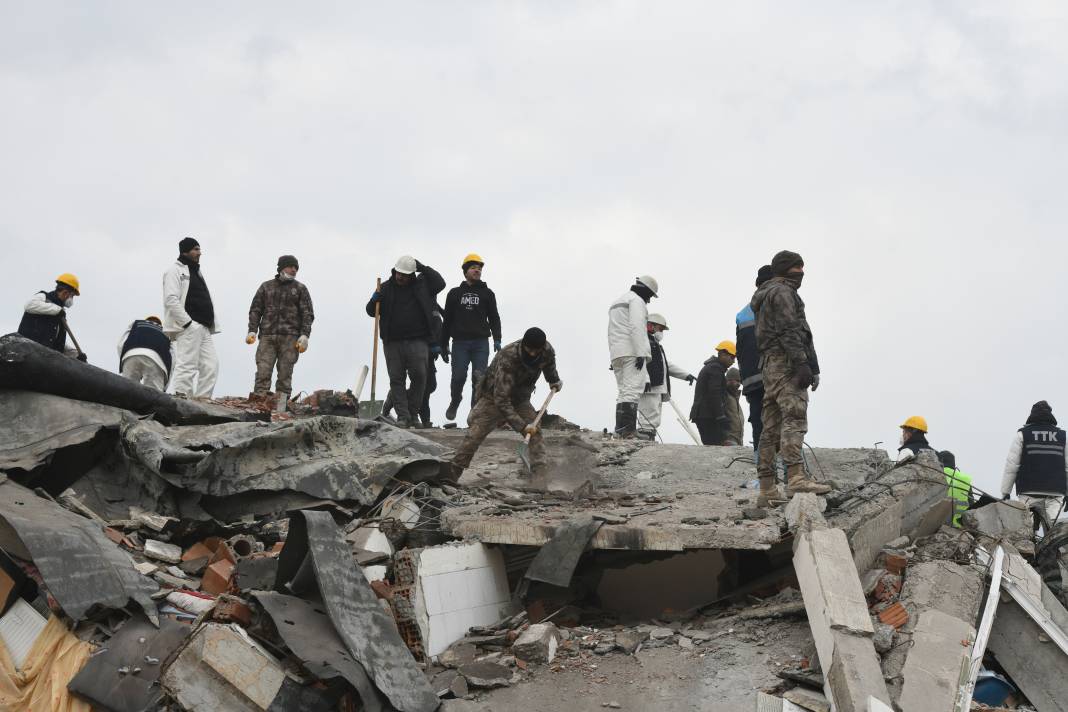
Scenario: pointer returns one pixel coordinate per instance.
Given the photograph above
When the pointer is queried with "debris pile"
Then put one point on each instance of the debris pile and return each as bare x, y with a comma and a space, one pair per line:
166, 554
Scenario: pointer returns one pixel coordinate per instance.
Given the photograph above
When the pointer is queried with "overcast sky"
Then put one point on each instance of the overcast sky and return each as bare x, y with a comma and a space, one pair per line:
914, 153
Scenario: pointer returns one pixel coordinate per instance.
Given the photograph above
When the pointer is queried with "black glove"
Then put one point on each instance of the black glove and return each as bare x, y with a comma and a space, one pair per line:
445, 355
803, 376
83, 358
419, 267
691, 379
1004, 497
639, 363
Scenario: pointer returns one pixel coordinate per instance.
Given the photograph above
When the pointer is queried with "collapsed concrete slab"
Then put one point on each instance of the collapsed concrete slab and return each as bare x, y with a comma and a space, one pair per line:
937, 663
839, 620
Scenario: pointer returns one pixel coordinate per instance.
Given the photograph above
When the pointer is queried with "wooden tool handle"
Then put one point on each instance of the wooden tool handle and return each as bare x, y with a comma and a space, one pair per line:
544, 407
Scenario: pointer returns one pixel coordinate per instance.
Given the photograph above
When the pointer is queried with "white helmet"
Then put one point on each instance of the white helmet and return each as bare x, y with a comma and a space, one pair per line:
657, 319
647, 281
406, 265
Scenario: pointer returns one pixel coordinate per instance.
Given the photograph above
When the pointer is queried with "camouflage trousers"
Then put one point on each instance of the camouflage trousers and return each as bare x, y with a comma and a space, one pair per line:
275, 350
484, 419
785, 416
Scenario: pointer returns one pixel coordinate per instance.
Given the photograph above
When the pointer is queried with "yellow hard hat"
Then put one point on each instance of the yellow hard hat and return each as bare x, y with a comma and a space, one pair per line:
727, 346
70, 280
916, 422
472, 258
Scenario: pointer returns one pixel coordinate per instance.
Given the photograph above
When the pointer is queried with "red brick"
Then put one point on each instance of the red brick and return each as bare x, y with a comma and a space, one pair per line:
895, 615
218, 577
895, 563
229, 609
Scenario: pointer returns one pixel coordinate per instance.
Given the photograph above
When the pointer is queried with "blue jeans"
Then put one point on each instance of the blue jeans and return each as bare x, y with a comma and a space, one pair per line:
468, 353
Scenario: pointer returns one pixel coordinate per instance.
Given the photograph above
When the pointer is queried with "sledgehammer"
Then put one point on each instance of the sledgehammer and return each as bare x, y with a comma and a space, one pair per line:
524, 447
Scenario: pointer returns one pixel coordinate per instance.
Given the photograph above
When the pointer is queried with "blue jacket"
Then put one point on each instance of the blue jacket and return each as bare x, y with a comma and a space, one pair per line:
748, 356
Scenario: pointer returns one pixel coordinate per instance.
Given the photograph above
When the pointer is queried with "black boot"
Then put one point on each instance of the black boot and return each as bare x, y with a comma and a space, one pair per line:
450, 412
626, 419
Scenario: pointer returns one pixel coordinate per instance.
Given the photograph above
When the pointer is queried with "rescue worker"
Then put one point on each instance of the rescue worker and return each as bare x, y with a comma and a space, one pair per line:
470, 319
709, 410
960, 485
733, 406
145, 353
749, 360
628, 348
189, 321
436, 352
1038, 465
44, 316
281, 314
661, 371
406, 306
913, 438
789, 366
504, 397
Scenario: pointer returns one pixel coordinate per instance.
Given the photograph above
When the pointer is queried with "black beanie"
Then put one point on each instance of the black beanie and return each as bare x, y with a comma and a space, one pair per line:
782, 262
1041, 412
287, 261
948, 459
186, 244
764, 274
534, 338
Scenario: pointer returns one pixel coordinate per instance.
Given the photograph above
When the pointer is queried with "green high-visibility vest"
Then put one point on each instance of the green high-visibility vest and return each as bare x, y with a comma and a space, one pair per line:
960, 491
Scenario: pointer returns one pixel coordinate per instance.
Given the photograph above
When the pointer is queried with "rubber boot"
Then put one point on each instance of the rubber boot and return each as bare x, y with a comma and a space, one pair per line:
626, 420
796, 481
450, 412
770, 494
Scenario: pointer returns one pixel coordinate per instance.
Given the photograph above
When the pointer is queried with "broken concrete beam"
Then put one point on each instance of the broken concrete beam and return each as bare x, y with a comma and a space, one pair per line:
868, 538
997, 520
805, 510
162, 551
937, 662
486, 675
221, 668
370, 538
537, 644
1033, 662
839, 620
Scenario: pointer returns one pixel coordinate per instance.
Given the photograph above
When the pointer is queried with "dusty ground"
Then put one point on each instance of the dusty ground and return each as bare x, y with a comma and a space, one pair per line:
720, 676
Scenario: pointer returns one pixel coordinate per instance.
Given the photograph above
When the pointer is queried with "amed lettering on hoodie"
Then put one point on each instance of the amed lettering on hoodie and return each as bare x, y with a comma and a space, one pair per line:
470, 313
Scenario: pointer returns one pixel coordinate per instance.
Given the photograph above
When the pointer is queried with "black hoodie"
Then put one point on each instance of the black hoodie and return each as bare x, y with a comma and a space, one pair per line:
470, 313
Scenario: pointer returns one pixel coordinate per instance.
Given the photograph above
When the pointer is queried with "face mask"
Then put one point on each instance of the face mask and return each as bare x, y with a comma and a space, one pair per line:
903, 438
659, 336
795, 279
528, 360
285, 277
69, 302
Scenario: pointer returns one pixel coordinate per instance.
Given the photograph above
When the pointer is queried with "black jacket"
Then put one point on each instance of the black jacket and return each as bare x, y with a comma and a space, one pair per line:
427, 285
916, 442
46, 329
470, 313
710, 391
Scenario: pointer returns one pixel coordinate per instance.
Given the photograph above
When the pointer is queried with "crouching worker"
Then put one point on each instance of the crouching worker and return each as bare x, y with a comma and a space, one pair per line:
504, 397
145, 353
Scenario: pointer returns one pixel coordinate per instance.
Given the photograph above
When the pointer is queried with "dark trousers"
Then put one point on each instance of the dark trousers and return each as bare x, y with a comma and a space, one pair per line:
711, 431
467, 354
756, 407
406, 362
431, 386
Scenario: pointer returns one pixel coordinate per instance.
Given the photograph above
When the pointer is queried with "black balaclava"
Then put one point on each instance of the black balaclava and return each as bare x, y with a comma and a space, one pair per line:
534, 338
1041, 412
764, 274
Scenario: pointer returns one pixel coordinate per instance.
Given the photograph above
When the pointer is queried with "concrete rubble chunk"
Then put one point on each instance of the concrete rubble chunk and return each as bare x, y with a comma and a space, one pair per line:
937, 661
629, 640
839, 619
537, 644
997, 519
458, 654
486, 675
808, 699
221, 668
884, 638
162, 551
805, 510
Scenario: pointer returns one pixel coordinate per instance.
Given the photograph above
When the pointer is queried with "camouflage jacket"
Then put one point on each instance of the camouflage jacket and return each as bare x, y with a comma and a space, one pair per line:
281, 308
781, 326
509, 381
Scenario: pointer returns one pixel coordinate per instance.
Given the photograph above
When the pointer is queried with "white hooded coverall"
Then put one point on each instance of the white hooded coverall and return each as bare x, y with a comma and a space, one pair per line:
628, 341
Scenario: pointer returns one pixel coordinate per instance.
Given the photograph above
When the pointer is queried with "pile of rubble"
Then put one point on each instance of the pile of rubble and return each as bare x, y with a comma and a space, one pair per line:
162, 554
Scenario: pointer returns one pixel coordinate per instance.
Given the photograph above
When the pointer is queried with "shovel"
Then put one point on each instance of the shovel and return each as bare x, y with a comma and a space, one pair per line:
524, 447
71, 335
683, 422
369, 410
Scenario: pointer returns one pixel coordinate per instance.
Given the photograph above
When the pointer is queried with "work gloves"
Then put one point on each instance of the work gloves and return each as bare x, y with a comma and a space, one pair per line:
375, 296
251, 338
496, 345
302, 344
558, 386
435, 350
639, 363
530, 429
1004, 497
691, 379
82, 357
815, 381
803, 377
445, 355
